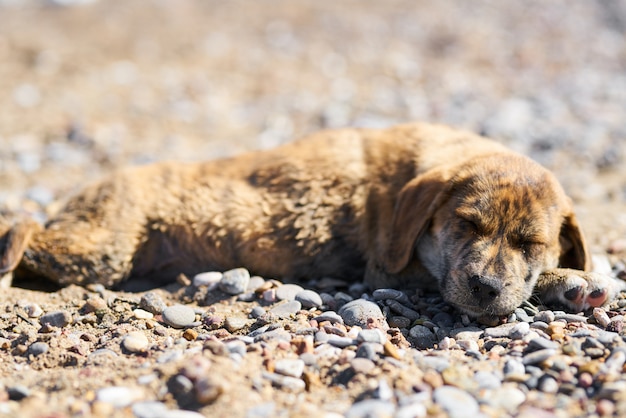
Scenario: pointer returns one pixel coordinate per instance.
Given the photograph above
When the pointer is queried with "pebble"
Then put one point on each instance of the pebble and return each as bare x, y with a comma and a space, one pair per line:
142, 314
287, 309
38, 348
288, 383
544, 316
257, 312
289, 367
422, 337
119, 396
179, 316
362, 365
209, 278
309, 299
33, 310
18, 392
371, 336
235, 323
152, 302
58, 319
288, 291
384, 294
456, 402
329, 316
499, 331
538, 356
135, 342
601, 317
371, 408
402, 310
519, 331
235, 282
363, 313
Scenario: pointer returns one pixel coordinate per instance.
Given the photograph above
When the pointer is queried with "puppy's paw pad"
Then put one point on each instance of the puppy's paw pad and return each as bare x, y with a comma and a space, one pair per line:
575, 294
597, 290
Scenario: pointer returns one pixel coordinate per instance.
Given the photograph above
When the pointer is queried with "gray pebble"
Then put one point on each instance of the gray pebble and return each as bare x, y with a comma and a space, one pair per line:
422, 337
384, 294
288, 383
309, 299
288, 291
538, 356
235, 323
363, 313
38, 348
443, 320
289, 367
369, 351
513, 367
152, 302
487, 380
436, 363
545, 316
235, 281
570, 317
342, 298
119, 396
540, 344
285, 310
338, 341
399, 322
519, 331
56, 319
179, 316
330, 316
207, 279
499, 331
371, 336
362, 365
456, 402
466, 333
371, 408
548, 384
279, 334
399, 308
522, 315
383, 391
135, 342
507, 397
257, 312
254, 283
264, 410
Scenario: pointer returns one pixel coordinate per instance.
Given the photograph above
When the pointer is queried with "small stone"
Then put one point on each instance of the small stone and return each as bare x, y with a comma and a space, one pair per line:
499, 331
519, 331
329, 316
135, 342
400, 309
56, 319
364, 314
338, 341
288, 383
288, 291
179, 316
570, 317
235, 282
235, 323
190, 334
18, 392
38, 348
152, 302
371, 408
487, 380
541, 343
362, 365
399, 322
371, 336
33, 310
368, 351
544, 316
538, 356
601, 317
309, 299
255, 283
269, 295
285, 310
508, 398
456, 402
142, 314
548, 384
208, 389
422, 337
119, 396
208, 278
384, 294
289, 367
513, 367
149, 409
257, 312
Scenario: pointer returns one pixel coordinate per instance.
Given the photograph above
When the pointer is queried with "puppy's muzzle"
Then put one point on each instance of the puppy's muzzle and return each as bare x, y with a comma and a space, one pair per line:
484, 289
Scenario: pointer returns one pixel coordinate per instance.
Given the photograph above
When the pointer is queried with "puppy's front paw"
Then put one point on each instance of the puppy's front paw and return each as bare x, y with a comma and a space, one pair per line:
578, 290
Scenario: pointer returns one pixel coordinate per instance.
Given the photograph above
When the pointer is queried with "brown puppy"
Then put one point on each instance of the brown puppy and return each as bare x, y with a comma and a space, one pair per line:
411, 206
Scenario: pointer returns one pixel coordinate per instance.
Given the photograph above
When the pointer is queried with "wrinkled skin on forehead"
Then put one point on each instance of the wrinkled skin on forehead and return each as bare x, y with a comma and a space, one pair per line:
498, 228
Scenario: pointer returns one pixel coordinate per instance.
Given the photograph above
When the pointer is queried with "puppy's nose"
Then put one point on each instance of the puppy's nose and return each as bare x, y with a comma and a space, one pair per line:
485, 289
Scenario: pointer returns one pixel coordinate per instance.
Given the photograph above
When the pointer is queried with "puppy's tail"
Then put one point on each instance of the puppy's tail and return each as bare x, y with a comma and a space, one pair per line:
14, 239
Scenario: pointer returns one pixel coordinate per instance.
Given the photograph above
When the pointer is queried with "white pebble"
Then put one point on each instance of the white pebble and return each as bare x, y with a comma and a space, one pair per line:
135, 342
141, 314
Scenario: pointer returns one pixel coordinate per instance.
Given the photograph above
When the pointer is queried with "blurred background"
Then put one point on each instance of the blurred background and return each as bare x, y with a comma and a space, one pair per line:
87, 86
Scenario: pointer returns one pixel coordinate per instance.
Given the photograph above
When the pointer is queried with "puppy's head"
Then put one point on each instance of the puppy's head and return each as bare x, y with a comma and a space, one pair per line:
485, 231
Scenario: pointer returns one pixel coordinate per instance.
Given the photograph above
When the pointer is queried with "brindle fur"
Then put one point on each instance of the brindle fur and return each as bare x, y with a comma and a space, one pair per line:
411, 206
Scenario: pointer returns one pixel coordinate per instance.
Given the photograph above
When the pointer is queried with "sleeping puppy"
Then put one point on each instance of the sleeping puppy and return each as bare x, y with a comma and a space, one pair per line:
411, 206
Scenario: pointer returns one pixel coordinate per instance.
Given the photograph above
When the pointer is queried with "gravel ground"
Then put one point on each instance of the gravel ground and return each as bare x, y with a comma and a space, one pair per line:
88, 86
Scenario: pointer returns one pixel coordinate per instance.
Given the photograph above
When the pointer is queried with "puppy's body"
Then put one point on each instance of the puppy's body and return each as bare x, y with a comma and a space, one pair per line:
412, 206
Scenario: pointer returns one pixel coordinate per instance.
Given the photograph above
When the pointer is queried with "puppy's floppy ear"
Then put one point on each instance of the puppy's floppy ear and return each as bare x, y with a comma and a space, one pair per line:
417, 202
574, 252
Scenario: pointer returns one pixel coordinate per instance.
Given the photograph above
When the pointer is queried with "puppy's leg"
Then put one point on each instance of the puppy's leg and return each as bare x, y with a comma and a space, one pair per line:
576, 289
